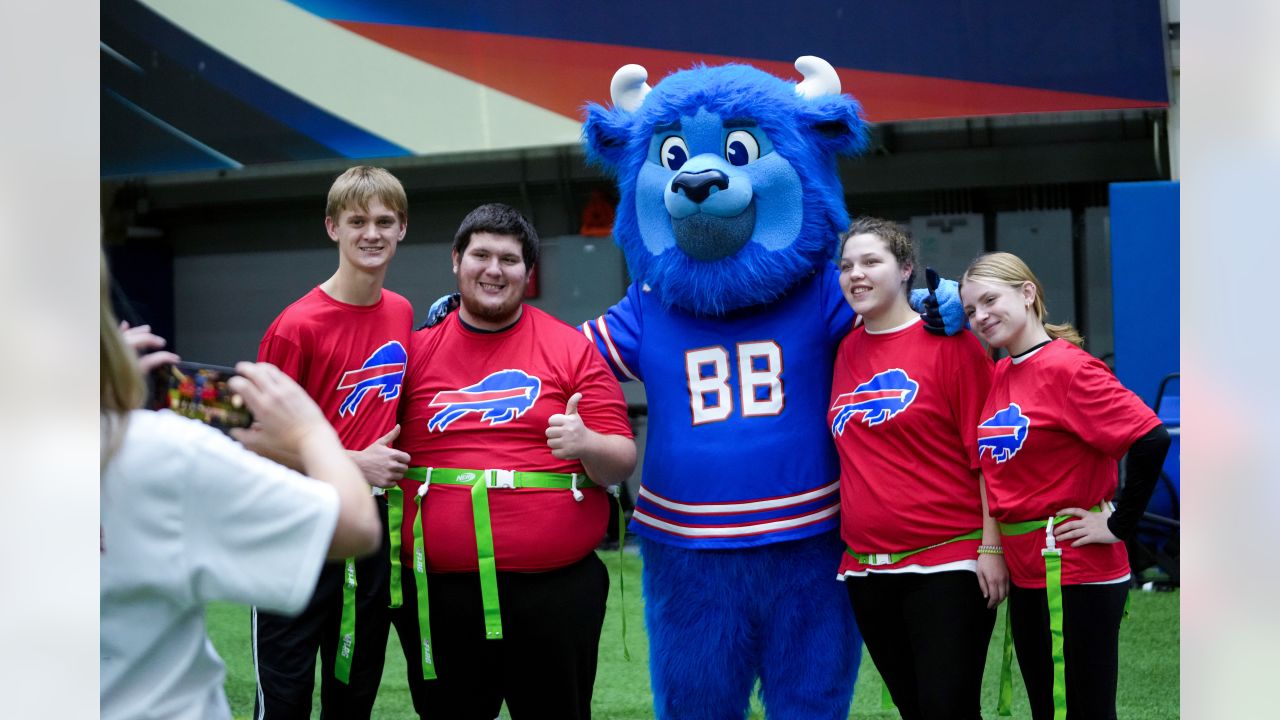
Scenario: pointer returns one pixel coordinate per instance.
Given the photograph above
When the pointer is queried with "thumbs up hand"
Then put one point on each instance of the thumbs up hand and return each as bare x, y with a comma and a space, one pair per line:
381, 464
940, 305
566, 435
933, 318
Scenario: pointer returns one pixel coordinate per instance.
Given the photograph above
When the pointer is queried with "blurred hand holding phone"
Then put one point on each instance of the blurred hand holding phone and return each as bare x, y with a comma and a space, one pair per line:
148, 346
215, 396
200, 392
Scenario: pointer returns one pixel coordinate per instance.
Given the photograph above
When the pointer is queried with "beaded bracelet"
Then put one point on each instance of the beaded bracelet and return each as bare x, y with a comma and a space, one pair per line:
990, 550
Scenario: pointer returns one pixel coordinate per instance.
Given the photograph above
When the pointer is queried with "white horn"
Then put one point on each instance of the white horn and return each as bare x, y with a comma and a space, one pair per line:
629, 87
819, 77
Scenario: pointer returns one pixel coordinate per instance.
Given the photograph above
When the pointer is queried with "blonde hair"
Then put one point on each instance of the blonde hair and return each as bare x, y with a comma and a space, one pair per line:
1002, 268
354, 189
119, 378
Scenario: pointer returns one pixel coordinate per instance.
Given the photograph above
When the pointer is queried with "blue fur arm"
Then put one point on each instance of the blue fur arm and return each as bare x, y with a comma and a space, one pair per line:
440, 309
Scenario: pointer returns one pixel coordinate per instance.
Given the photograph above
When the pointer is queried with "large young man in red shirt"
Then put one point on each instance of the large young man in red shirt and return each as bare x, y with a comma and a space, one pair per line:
514, 424
345, 342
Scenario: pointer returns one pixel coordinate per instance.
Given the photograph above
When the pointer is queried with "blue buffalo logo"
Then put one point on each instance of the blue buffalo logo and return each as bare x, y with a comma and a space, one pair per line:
499, 398
1003, 434
886, 394
384, 370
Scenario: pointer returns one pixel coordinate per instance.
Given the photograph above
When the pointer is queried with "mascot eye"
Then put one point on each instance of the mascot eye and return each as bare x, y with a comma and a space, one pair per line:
674, 152
741, 148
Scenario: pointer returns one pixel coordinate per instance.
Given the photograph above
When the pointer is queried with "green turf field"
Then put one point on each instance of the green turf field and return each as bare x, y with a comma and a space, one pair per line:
1148, 663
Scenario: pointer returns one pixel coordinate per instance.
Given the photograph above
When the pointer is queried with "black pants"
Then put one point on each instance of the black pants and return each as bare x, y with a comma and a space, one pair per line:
545, 664
284, 648
1091, 639
928, 635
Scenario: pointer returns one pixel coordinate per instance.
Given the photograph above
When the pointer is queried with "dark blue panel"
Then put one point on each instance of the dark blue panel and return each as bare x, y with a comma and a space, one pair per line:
135, 142
210, 66
164, 103
142, 286
1103, 47
1145, 235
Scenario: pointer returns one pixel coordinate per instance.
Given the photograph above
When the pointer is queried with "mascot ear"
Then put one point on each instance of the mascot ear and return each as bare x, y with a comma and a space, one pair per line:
835, 120
606, 134
837, 124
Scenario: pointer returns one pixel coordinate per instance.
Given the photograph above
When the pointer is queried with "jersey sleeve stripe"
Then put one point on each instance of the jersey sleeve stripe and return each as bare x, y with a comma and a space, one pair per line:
603, 327
586, 330
739, 507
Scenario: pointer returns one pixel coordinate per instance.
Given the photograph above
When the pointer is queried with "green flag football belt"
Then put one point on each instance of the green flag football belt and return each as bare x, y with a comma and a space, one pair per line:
889, 558
1053, 592
347, 625
347, 639
480, 482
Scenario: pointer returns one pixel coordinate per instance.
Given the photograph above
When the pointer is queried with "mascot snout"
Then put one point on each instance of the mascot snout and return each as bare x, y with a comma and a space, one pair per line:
699, 186
712, 216
706, 237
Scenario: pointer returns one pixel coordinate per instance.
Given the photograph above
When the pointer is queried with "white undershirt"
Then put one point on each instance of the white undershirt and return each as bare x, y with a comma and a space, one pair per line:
970, 565
903, 326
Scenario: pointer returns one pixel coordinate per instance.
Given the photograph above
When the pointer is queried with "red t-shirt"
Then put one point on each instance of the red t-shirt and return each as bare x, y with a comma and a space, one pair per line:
481, 401
1053, 428
349, 358
904, 406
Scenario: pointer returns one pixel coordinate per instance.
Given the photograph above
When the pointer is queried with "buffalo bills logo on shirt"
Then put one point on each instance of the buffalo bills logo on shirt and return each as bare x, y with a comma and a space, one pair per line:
1002, 434
383, 370
886, 394
499, 398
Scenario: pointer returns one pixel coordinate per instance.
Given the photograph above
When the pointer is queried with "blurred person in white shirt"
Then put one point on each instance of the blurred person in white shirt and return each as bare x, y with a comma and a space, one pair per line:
189, 516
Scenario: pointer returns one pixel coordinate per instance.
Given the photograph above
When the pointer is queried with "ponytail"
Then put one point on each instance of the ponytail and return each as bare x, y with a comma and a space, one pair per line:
1065, 331
1002, 268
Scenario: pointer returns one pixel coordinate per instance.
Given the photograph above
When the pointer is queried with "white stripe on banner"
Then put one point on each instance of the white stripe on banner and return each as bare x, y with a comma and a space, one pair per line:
392, 95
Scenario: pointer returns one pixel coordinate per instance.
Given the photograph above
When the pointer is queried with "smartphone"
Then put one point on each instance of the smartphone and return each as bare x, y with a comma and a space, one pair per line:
200, 392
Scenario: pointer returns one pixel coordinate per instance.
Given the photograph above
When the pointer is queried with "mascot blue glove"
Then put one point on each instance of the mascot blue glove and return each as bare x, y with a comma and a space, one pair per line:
730, 209
940, 305
440, 309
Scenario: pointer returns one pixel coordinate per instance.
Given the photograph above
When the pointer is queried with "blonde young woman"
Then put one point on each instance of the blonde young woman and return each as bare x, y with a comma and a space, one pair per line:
1053, 426
189, 516
922, 568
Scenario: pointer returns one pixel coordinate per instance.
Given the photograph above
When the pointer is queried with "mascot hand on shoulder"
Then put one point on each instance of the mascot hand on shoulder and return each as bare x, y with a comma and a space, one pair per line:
729, 215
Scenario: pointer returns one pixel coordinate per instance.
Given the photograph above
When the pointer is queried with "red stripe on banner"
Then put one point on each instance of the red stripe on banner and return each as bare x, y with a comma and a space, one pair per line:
562, 75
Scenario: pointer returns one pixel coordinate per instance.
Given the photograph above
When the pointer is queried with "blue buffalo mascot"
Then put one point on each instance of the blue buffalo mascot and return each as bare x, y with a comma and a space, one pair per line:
729, 215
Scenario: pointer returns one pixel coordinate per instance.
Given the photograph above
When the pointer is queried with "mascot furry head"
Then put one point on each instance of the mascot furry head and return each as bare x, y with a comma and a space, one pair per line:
729, 194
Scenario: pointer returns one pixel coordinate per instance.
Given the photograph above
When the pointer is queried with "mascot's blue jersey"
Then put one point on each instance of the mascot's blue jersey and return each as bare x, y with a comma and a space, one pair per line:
737, 452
